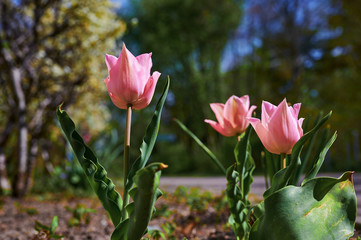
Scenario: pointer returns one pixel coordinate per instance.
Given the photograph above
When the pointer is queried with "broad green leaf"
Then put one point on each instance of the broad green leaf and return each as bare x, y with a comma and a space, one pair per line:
144, 196
149, 140
203, 147
322, 209
96, 174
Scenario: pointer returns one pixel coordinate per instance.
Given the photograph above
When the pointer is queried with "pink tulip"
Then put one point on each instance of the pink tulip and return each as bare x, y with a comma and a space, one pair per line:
129, 82
279, 129
232, 117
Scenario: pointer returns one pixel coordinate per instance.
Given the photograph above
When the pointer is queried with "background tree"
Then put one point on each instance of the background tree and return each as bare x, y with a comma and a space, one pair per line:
188, 38
51, 51
303, 50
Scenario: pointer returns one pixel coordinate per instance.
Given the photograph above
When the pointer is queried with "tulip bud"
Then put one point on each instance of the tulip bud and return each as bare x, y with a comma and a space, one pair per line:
129, 82
279, 128
232, 117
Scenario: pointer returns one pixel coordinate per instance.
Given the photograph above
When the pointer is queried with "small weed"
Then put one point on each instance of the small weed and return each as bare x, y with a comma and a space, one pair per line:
180, 193
162, 211
193, 197
28, 210
47, 232
80, 214
156, 235
169, 229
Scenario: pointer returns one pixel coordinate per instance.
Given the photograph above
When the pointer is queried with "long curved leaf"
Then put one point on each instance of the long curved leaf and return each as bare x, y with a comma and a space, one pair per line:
204, 147
96, 174
317, 164
149, 140
245, 163
322, 209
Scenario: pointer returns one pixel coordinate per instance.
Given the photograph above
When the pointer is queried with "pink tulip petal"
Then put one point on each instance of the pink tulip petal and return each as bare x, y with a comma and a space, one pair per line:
267, 111
145, 60
284, 127
230, 111
219, 128
245, 100
135, 82
253, 121
110, 60
117, 101
147, 96
296, 109
265, 136
250, 111
218, 109
300, 130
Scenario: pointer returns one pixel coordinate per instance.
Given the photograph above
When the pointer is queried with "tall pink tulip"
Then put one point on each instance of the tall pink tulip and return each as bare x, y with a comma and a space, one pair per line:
129, 82
279, 128
232, 117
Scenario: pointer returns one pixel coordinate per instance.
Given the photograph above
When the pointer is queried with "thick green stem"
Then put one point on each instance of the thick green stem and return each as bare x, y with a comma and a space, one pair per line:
283, 160
126, 160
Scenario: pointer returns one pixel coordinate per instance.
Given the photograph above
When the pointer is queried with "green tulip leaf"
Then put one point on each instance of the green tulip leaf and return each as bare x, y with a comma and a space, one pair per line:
322, 209
245, 163
96, 174
203, 147
317, 164
144, 195
149, 139
306, 156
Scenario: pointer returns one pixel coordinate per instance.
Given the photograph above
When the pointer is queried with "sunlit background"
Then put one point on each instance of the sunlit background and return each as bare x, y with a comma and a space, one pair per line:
53, 52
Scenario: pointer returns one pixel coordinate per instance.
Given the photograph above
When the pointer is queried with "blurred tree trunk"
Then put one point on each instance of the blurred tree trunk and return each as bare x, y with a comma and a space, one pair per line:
19, 188
4, 181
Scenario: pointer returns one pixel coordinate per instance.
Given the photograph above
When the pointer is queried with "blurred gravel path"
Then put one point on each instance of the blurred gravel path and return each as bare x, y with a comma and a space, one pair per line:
217, 184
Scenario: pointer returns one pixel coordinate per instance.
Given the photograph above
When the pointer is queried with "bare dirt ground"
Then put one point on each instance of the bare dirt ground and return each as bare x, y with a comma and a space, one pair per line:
18, 222
175, 216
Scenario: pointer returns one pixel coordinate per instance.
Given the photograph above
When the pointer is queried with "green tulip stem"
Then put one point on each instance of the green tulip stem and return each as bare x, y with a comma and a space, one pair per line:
126, 159
283, 160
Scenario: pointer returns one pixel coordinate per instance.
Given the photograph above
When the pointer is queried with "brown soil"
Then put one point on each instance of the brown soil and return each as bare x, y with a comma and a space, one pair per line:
17, 222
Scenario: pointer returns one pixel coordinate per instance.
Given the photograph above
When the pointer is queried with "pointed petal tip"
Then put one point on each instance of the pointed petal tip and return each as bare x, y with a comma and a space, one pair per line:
253, 120
162, 166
